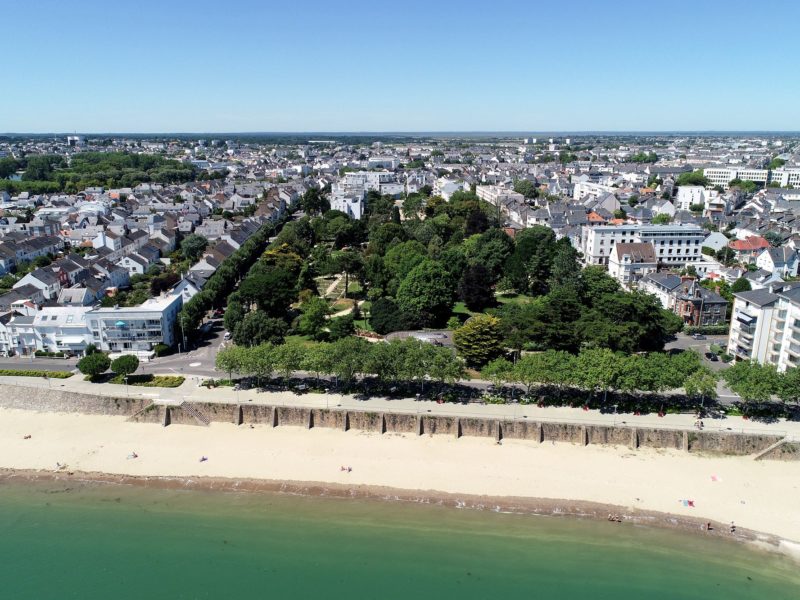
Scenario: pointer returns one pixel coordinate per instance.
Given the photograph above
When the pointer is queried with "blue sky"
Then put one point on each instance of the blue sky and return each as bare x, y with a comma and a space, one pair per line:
242, 65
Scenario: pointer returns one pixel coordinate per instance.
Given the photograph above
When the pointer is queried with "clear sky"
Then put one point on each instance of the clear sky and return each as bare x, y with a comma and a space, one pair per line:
248, 65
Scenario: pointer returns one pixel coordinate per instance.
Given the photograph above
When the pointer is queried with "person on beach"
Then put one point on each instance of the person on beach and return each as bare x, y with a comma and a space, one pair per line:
733, 527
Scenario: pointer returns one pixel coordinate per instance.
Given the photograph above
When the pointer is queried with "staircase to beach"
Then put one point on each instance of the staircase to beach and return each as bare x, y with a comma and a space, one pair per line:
191, 410
772, 447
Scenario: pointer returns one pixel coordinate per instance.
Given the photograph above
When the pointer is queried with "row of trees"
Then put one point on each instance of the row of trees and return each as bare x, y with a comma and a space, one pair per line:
760, 383
96, 363
222, 282
408, 360
600, 370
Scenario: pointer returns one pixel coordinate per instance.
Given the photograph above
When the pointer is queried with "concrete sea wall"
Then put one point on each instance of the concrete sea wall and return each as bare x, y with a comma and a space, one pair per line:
189, 413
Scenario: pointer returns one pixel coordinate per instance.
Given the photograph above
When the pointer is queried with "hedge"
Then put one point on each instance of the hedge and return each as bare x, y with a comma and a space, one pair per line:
24, 373
707, 330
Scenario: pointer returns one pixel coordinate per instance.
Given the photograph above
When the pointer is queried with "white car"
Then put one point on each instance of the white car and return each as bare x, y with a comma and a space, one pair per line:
227, 336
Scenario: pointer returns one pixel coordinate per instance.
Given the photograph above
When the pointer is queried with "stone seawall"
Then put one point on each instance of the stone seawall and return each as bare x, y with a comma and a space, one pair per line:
144, 411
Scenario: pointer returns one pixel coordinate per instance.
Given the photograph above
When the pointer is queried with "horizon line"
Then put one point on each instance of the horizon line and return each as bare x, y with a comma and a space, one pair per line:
522, 132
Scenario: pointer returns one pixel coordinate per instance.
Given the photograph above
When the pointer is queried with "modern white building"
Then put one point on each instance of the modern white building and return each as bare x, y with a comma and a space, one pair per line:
674, 244
694, 195
62, 329
495, 194
445, 187
782, 177
765, 326
137, 329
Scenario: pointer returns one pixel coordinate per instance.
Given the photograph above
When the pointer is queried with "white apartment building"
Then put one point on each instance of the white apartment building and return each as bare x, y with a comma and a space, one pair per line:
495, 194
586, 189
136, 329
689, 195
62, 329
630, 262
783, 177
445, 187
765, 326
674, 244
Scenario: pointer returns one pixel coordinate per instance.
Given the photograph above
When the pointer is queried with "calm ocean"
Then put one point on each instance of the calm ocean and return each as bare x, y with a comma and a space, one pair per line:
117, 542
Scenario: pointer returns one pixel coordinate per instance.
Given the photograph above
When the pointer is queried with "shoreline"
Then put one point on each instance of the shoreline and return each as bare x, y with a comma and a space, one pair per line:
543, 507
650, 487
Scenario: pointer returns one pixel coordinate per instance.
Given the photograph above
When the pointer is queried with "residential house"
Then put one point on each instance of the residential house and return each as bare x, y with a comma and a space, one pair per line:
630, 262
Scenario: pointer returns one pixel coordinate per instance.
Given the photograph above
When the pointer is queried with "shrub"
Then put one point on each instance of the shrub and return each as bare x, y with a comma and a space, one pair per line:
168, 381
162, 350
125, 365
94, 364
24, 373
707, 330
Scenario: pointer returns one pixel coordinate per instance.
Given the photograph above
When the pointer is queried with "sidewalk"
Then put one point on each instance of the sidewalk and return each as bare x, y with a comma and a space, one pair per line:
191, 391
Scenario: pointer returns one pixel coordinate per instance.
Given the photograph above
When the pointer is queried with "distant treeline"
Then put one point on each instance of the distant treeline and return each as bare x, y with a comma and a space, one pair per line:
52, 173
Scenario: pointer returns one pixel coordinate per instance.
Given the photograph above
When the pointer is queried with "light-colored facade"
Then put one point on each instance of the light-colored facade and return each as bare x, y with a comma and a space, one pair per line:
62, 329
765, 326
675, 244
782, 177
137, 329
629, 263
495, 194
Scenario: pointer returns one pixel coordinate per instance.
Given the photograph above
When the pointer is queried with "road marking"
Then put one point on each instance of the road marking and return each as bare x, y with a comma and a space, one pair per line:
195, 364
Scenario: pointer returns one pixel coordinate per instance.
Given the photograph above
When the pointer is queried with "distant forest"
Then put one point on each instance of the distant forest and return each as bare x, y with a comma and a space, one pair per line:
52, 173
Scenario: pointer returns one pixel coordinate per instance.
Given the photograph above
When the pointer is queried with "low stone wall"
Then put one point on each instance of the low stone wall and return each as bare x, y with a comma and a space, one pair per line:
143, 411
57, 400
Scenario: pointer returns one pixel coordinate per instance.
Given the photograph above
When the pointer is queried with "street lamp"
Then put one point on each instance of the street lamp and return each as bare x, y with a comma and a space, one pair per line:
126, 386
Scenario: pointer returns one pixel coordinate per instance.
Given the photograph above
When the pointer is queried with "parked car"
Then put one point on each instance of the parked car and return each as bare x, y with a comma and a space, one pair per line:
698, 336
712, 357
227, 336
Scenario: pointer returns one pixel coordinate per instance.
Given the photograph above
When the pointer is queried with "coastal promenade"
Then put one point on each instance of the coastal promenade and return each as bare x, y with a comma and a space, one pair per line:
192, 391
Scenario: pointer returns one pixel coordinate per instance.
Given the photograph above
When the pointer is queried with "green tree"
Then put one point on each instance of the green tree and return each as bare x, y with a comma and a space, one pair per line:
232, 359
499, 371
125, 365
314, 317
94, 364
526, 187
754, 382
479, 340
475, 288
341, 327
426, 293
726, 256
257, 328
692, 178
703, 384
348, 358
661, 219
599, 370
789, 385
741, 285
288, 358
192, 246
385, 316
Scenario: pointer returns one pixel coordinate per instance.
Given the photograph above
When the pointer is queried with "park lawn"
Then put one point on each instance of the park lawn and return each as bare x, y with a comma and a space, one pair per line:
168, 381
354, 289
304, 340
512, 298
363, 324
459, 308
342, 304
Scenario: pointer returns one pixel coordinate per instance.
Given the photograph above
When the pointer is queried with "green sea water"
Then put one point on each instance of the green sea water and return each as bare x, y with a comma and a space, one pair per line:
118, 542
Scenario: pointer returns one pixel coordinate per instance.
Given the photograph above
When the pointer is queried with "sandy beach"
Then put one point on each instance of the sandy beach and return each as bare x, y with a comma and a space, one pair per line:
757, 495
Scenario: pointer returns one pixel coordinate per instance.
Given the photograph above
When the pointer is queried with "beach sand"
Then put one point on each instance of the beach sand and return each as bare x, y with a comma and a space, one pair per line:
758, 495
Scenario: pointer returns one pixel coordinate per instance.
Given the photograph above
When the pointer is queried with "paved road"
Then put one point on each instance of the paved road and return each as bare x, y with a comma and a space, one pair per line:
197, 361
43, 364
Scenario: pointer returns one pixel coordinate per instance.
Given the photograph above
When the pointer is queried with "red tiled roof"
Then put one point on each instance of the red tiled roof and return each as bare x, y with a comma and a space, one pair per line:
753, 242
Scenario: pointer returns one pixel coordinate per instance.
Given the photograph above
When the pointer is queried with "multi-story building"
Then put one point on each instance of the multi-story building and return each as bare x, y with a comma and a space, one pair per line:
495, 194
631, 261
137, 329
700, 307
765, 326
674, 245
62, 329
781, 177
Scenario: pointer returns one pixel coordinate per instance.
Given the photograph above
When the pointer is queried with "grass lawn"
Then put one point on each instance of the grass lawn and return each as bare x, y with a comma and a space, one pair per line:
459, 308
363, 324
342, 304
510, 297
300, 339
